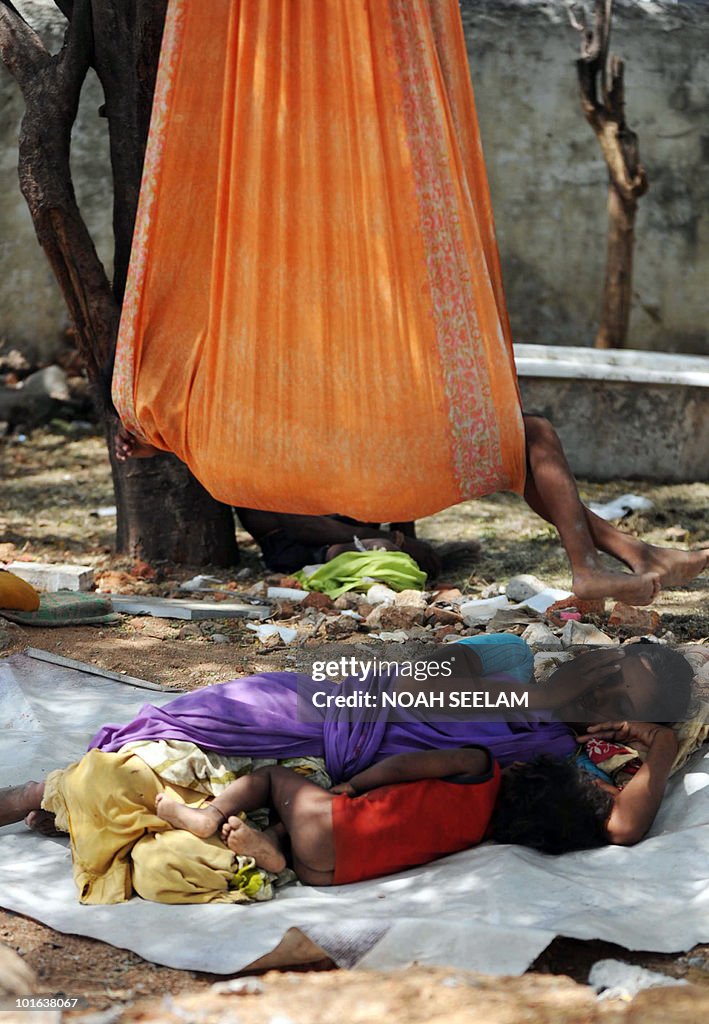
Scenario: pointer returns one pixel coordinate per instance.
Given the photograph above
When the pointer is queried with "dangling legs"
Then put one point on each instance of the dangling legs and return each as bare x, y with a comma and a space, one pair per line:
551, 491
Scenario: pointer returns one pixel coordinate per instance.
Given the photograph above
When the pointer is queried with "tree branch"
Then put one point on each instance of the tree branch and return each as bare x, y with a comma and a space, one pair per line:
21, 50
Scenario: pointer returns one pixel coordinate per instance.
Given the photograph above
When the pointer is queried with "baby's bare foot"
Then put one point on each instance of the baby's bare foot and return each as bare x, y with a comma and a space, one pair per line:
248, 842
200, 821
674, 568
630, 588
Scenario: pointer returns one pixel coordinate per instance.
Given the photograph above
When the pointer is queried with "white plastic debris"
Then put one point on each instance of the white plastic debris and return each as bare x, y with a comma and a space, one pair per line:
263, 632
286, 594
482, 609
540, 602
621, 507
201, 583
105, 511
614, 979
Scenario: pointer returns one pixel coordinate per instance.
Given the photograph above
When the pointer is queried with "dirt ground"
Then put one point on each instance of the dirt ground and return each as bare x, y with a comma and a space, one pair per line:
53, 486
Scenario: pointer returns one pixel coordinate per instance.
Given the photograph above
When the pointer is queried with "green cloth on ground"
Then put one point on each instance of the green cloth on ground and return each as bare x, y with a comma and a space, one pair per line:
358, 570
67, 608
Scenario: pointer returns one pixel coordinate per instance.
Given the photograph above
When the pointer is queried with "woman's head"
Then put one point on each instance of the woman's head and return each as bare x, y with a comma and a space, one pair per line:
551, 806
653, 683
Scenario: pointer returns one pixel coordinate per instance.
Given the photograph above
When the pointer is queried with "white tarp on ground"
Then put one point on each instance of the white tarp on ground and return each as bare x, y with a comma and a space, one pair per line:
493, 909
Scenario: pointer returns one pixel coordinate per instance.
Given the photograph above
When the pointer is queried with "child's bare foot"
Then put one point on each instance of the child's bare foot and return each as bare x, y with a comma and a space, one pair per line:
16, 802
200, 821
43, 822
674, 567
248, 842
128, 446
630, 588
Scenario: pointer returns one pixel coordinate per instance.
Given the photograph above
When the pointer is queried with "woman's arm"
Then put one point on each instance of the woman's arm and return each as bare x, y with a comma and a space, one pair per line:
424, 764
637, 803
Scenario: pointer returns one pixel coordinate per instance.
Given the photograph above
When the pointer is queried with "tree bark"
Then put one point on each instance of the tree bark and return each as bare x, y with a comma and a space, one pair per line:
601, 81
163, 512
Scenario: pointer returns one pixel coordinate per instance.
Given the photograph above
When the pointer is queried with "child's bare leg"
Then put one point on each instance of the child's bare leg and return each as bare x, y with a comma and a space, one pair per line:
551, 491
305, 812
16, 802
246, 793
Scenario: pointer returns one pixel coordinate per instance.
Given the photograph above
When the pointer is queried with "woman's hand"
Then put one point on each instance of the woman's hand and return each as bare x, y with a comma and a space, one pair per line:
128, 446
574, 679
631, 734
343, 789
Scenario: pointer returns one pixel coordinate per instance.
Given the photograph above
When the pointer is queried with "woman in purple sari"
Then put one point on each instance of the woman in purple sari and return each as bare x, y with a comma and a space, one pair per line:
274, 715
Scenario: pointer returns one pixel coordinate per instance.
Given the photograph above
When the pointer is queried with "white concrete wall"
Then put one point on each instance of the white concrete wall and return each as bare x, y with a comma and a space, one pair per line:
547, 175
548, 178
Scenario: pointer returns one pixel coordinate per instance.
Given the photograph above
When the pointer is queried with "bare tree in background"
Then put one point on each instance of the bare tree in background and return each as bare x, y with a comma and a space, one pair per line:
163, 512
601, 80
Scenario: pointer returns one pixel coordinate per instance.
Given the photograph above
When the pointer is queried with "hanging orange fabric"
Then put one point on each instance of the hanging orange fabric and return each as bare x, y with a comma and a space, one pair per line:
315, 320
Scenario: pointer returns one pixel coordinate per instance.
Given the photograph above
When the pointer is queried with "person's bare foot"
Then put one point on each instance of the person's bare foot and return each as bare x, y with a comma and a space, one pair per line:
43, 822
200, 821
16, 802
128, 446
674, 567
248, 842
630, 588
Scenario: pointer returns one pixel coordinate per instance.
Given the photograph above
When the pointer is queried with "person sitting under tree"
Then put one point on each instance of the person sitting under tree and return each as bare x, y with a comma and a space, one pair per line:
551, 492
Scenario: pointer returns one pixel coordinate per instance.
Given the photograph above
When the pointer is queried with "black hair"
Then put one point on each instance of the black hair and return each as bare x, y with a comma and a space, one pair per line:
674, 675
552, 806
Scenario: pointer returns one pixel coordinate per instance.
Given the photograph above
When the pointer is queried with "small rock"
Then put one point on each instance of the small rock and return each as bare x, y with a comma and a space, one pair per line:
391, 617
219, 638
8, 552
521, 588
189, 631
244, 574
144, 571
378, 593
317, 600
259, 589
341, 627
290, 581
540, 638
575, 633
442, 614
285, 609
451, 595
588, 609
637, 621
413, 599
441, 632
347, 602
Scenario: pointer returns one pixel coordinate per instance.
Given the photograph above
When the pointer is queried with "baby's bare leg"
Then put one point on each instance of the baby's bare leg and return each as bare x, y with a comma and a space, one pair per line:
247, 793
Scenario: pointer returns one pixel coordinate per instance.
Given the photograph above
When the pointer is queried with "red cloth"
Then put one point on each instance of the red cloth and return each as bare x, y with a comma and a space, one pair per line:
398, 827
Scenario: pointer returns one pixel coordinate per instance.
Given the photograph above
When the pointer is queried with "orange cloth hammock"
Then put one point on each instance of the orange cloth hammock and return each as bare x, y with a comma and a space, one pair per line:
315, 319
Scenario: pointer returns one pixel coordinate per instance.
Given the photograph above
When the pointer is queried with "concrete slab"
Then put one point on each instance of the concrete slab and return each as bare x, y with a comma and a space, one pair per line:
53, 576
177, 608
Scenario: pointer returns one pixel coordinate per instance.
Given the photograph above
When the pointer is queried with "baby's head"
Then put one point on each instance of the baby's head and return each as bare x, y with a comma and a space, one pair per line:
552, 806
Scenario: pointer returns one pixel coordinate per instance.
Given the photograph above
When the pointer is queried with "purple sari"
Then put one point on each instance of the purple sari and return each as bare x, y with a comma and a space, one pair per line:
261, 716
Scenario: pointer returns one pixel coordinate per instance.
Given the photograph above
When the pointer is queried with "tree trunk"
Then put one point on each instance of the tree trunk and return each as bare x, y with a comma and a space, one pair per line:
163, 512
601, 81
618, 288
